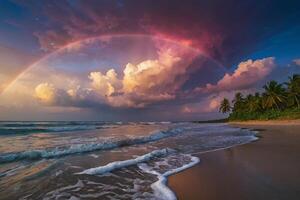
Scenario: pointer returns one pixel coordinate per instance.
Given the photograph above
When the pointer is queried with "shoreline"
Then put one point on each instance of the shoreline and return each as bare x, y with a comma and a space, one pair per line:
266, 122
263, 169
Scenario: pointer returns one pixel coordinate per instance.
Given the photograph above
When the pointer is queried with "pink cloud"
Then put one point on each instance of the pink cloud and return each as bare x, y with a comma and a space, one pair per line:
297, 61
147, 82
206, 105
140, 85
247, 74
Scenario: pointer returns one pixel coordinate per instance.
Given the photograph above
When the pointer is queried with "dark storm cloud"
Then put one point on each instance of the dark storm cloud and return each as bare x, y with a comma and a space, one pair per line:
225, 30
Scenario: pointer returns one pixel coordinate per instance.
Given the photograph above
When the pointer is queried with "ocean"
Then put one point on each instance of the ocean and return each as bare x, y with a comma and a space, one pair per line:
104, 160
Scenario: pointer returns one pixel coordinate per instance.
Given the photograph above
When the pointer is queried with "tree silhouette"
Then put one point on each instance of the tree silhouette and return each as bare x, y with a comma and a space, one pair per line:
293, 91
274, 96
225, 106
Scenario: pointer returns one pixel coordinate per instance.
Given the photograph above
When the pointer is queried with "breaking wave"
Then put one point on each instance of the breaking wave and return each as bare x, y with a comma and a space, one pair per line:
170, 163
121, 164
88, 147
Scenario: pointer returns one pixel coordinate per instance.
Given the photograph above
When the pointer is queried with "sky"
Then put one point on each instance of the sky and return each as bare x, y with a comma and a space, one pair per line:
140, 60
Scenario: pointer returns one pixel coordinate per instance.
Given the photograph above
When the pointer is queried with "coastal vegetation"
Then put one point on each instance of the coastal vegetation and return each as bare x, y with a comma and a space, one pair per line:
277, 101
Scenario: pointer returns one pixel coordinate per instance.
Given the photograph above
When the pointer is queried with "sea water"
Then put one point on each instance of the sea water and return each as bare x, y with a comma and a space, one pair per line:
104, 160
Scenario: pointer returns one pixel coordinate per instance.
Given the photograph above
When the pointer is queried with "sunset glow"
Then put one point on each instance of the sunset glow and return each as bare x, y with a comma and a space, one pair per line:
112, 65
149, 99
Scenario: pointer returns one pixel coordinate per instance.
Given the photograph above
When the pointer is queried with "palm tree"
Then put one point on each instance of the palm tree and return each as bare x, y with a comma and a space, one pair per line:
257, 95
238, 98
274, 95
225, 106
258, 101
293, 90
238, 102
252, 103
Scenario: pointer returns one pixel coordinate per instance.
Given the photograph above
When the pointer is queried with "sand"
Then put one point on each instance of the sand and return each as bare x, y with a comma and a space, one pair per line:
265, 169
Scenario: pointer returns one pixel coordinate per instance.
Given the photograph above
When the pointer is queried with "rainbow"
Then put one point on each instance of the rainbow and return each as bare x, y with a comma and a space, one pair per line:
77, 43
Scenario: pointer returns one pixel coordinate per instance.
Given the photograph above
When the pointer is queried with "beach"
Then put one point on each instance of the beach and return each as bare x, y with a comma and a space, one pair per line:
267, 168
97, 160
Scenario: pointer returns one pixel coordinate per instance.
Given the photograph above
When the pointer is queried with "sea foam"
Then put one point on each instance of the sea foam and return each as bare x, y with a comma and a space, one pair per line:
87, 147
160, 188
121, 164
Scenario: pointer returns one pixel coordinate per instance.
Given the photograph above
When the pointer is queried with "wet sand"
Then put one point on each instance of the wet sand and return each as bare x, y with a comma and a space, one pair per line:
265, 169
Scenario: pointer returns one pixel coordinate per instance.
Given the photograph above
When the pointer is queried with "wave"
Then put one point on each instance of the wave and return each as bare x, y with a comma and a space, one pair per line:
121, 164
88, 147
46, 124
29, 130
19, 128
160, 188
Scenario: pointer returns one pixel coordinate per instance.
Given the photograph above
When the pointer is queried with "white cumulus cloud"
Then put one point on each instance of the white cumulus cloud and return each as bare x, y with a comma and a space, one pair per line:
139, 85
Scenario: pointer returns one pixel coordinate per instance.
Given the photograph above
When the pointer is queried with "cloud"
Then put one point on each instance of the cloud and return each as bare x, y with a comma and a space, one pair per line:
211, 103
49, 95
46, 93
210, 27
246, 75
141, 84
146, 82
207, 104
297, 61
105, 84
152, 76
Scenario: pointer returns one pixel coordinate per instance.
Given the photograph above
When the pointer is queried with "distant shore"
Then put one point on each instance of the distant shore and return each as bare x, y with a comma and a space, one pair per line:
265, 169
254, 122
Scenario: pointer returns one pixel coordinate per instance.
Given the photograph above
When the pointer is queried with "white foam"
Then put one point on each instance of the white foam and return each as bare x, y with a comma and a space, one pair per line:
94, 155
87, 147
160, 188
121, 164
